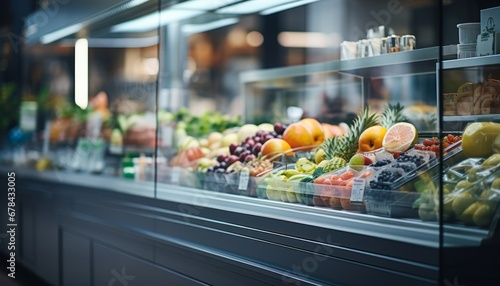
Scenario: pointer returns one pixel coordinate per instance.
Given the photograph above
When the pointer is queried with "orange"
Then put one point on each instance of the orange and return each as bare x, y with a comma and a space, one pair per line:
371, 138
327, 131
316, 129
275, 146
332, 130
400, 137
298, 135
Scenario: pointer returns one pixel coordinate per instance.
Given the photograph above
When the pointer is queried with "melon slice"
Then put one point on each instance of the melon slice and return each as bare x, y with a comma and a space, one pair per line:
400, 137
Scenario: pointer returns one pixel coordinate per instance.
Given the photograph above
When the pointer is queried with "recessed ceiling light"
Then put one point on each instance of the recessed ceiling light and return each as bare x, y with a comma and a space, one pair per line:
286, 7
252, 6
61, 33
203, 4
154, 20
198, 28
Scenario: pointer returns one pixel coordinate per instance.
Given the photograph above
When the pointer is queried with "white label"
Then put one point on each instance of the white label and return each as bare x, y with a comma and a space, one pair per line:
358, 190
27, 119
244, 178
176, 175
485, 43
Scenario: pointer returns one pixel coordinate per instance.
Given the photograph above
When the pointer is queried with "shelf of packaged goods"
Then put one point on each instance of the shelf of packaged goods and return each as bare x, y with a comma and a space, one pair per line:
394, 64
472, 118
409, 230
475, 62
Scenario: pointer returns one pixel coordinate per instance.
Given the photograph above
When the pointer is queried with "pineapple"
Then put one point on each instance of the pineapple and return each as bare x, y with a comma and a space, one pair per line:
392, 115
339, 150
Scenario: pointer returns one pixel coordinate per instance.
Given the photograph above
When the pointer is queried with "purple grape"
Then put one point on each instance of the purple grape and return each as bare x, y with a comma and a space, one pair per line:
238, 151
232, 147
221, 158
232, 159
279, 128
250, 158
244, 154
251, 143
246, 146
256, 148
260, 133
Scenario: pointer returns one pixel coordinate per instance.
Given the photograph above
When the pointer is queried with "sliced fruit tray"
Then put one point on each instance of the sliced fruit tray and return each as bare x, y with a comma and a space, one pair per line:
334, 189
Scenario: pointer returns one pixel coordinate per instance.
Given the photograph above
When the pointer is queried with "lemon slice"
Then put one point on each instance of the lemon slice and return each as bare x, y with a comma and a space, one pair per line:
400, 137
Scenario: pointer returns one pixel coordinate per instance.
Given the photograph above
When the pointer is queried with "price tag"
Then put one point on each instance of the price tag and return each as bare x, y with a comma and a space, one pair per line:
244, 178
176, 175
358, 190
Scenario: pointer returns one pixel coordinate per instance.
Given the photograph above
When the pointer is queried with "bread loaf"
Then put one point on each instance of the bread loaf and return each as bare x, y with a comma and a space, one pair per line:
450, 104
486, 101
465, 98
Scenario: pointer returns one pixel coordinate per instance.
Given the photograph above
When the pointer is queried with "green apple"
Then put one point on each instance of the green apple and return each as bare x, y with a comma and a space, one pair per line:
359, 159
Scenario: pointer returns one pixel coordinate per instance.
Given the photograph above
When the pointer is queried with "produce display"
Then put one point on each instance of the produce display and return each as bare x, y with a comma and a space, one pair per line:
306, 163
377, 165
434, 144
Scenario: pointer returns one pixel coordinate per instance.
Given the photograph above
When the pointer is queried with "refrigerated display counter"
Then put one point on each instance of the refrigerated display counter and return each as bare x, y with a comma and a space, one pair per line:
153, 176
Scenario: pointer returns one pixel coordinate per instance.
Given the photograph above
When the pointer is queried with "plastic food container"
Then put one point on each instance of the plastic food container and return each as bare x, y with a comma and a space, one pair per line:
467, 32
335, 190
466, 51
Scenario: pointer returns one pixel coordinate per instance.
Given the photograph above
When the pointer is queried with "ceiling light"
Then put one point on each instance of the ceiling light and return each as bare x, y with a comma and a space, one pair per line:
254, 39
59, 34
154, 20
303, 40
115, 42
73, 29
286, 7
252, 6
81, 73
198, 28
203, 4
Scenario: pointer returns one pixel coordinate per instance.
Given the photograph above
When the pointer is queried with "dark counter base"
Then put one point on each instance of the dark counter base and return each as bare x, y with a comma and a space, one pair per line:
71, 235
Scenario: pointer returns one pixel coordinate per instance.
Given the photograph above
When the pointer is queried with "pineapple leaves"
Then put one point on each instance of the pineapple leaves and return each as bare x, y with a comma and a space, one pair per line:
392, 114
346, 146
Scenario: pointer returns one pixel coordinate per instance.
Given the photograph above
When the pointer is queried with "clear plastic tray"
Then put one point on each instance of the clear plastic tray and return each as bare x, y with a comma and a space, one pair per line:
333, 189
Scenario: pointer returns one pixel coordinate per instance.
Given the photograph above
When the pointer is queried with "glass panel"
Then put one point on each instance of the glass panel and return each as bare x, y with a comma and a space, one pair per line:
470, 85
321, 60
89, 97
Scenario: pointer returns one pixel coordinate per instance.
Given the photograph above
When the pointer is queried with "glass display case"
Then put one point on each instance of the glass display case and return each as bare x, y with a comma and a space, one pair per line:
280, 125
